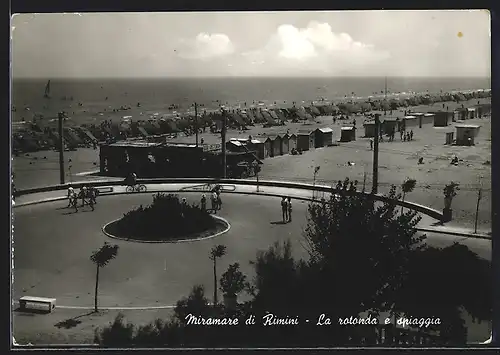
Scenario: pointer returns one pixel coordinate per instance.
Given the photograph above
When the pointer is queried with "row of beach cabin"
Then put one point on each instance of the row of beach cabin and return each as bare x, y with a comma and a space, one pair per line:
282, 144
437, 119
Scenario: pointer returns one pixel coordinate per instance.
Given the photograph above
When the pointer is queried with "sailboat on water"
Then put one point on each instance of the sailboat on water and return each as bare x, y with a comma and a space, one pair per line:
47, 91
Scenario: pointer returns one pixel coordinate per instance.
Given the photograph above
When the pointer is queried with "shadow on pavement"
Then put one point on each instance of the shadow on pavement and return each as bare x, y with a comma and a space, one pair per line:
30, 312
72, 322
278, 222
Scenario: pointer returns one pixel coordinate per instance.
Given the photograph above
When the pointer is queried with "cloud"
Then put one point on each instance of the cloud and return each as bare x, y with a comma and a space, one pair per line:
205, 46
316, 46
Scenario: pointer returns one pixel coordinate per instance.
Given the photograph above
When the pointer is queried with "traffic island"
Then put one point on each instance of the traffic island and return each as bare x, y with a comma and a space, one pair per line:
167, 219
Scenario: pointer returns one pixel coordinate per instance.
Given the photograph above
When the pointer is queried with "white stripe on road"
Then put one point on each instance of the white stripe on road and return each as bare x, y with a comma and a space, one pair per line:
84, 173
118, 308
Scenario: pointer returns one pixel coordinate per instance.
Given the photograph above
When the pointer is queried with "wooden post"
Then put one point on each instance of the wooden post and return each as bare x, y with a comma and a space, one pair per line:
224, 160
61, 148
375, 154
477, 209
257, 175
196, 122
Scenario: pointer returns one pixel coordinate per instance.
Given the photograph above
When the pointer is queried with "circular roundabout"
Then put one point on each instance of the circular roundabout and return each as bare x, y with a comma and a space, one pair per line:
52, 249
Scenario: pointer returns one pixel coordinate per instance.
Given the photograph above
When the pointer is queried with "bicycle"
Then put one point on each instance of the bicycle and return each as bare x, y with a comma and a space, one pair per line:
136, 188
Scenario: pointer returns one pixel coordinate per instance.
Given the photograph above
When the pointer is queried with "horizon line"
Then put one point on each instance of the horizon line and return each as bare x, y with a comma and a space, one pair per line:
247, 77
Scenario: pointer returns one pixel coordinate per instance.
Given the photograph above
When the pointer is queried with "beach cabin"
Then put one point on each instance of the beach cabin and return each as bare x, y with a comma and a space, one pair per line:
485, 110
292, 142
471, 113
323, 137
449, 137
258, 147
441, 118
235, 146
463, 114
390, 124
419, 116
305, 140
276, 145
268, 147
410, 122
426, 119
347, 134
466, 134
285, 144
369, 127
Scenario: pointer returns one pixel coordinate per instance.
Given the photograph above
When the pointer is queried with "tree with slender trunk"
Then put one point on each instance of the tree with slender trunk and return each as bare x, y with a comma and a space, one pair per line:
407, 187
217, 251
101, 258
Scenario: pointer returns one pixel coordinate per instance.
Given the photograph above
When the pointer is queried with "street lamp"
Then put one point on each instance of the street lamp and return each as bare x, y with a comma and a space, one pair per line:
316, 170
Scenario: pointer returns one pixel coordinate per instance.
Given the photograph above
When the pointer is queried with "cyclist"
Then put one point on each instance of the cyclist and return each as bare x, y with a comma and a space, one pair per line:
131, 180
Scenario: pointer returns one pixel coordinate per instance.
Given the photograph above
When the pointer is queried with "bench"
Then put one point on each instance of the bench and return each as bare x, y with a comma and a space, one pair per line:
107, 189
25, 300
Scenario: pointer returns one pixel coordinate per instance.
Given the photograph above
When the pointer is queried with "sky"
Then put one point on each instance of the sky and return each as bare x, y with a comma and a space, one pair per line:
259, 44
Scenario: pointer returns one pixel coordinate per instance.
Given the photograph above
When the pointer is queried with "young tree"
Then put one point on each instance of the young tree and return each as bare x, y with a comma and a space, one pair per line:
407, 186
217, 251
361, 247
101, 258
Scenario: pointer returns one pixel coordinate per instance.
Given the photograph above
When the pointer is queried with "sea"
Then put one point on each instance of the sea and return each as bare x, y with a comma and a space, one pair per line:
89, 97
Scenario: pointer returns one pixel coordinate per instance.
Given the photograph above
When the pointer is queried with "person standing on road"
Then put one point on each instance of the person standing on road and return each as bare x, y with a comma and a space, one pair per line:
83, 194
203, 202
219, 201
71, 193
91, 196
213, 200
289, 208
284, 209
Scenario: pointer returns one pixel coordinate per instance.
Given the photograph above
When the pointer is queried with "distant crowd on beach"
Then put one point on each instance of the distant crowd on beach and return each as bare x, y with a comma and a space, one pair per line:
41, 133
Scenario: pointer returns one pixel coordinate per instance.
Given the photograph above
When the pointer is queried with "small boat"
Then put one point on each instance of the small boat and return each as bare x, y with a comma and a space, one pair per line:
46, 95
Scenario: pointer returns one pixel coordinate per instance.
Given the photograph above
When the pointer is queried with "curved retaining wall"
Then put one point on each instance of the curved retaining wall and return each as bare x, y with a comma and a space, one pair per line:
291, 185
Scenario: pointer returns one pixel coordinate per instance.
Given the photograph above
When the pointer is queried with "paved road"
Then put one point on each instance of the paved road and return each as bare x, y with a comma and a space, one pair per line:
52, 249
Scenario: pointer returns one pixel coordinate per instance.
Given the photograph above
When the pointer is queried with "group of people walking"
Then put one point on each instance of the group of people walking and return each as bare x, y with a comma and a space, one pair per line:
215, 200
405, 137
88, 196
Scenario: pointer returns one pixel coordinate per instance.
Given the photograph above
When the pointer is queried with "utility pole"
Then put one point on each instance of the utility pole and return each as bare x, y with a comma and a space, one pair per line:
61, 148
223, 134
375, 154
196, 122
479, 195
385, 95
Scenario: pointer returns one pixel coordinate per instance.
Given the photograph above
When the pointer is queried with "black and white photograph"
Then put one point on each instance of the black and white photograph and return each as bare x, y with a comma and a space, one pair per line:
286, 179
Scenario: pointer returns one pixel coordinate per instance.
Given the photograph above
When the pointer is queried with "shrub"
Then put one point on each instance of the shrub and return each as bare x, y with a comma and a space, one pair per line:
166, 218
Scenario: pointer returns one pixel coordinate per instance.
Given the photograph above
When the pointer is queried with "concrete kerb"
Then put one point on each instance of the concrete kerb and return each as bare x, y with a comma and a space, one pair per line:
281, 184
430, 230
187, 240
458, 234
